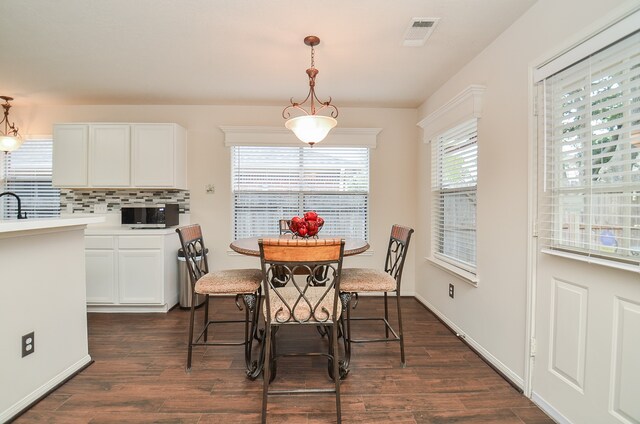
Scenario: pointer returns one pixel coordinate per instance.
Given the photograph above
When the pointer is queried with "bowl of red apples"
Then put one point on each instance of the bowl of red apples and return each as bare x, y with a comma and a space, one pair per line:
306, 226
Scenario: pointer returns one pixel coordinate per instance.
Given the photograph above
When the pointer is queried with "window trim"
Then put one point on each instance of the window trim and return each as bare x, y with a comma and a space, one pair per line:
280, 136
465, 106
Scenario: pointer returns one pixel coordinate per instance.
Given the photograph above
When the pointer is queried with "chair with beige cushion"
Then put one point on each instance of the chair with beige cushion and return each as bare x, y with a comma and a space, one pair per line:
243, 283
364, 280
294, 295
283, 226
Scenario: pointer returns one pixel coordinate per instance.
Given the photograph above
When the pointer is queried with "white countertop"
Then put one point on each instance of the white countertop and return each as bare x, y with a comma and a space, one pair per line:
112, 227
13, 225
119, 230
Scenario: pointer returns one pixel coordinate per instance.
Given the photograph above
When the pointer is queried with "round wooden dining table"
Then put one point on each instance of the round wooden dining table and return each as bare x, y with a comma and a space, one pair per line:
249, 246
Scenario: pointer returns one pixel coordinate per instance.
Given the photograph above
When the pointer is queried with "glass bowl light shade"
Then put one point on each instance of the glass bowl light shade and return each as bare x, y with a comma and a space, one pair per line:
9, 143
311, 128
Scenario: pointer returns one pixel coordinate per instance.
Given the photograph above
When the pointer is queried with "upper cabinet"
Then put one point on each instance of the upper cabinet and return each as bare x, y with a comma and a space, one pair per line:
119, 156
70, 153
158, 155
109, 155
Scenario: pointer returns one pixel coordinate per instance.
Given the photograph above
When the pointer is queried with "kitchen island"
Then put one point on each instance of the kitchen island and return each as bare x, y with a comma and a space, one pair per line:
42, 290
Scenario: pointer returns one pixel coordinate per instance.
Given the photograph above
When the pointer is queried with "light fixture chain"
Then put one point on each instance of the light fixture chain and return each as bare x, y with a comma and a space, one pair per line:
313, 55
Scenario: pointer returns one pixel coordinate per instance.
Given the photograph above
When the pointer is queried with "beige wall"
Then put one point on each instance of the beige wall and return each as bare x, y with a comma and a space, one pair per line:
493, 314
393, 165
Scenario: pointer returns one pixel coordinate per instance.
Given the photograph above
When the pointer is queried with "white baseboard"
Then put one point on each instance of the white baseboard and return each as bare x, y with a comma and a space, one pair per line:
42, 390
127, 308
549, 410
515, 378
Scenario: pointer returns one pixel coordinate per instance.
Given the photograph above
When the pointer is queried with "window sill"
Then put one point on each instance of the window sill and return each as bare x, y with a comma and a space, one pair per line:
466, 276
592, 260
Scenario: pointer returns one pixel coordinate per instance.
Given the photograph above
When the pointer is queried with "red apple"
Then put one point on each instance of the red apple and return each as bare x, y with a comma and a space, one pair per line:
320, 222
302, 230
310, 216
312, 228
293, 226
296, 220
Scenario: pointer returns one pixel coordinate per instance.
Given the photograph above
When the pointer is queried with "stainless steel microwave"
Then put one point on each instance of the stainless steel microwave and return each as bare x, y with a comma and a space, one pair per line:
150, 216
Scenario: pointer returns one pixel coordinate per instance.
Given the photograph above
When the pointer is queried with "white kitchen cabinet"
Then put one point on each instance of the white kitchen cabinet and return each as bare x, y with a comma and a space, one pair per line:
132, 273
70, 155
101, 276
97, 155
158, 155
101, 269
139, 272
109, 155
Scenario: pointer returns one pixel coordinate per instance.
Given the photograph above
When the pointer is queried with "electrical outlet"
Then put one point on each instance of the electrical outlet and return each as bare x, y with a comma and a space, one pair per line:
28, 344
451, 290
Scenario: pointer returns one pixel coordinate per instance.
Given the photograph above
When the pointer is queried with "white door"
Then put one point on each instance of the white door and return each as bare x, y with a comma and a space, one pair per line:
110, 155
153, 148
587, 299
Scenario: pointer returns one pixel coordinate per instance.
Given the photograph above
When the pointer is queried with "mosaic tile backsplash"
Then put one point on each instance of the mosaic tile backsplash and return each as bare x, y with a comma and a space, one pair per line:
85, 201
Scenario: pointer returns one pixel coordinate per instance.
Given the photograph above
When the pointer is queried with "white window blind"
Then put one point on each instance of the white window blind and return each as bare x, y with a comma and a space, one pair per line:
454, 186
272, 183
591, 198
27, 173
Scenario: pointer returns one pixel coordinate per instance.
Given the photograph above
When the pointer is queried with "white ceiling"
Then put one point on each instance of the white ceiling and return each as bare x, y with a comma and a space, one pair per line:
237, 51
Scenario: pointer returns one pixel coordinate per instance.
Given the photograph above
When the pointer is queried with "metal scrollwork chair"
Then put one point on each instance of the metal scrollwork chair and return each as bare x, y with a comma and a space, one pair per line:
361, 280
294, 296
283, 225
244, 283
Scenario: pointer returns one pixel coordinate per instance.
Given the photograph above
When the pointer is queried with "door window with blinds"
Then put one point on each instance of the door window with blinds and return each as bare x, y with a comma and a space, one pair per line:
454, 185
27, 172
272, 183
591, 158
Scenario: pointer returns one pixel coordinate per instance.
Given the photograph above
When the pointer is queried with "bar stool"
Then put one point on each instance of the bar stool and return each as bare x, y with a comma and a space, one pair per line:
244, 283
363, 280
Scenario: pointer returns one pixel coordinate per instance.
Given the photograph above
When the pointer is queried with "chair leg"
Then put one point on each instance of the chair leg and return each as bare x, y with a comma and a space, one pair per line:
336, 372
248, 336
191, 320
206, 317
400, 333
346, 334
386, 315
266, 375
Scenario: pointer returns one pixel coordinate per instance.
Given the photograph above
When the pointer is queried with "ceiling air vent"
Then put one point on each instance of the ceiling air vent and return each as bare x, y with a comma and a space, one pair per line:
418, 31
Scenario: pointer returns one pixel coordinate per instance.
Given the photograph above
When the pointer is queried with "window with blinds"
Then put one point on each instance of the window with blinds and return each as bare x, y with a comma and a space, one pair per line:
591, 197
272, 183
28, 173
591, 202
454, 185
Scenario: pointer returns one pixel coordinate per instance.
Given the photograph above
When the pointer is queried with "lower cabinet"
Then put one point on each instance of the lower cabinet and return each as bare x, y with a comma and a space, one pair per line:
131, 273
101, 276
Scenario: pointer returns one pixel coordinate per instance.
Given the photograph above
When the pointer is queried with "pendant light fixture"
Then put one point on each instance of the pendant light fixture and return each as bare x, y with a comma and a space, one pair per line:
311, 127
9, 139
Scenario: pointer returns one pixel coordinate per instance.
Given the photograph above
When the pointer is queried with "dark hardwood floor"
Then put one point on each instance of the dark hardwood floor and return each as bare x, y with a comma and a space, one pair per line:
139, 377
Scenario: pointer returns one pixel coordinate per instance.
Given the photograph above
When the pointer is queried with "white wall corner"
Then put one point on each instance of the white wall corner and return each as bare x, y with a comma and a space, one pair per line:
280, 136
488, 356
463, 107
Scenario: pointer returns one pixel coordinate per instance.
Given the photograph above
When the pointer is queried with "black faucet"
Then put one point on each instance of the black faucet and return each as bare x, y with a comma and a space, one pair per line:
21, 215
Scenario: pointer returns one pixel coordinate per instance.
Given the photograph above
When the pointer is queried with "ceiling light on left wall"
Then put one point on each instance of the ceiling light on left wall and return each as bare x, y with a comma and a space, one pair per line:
9, 139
